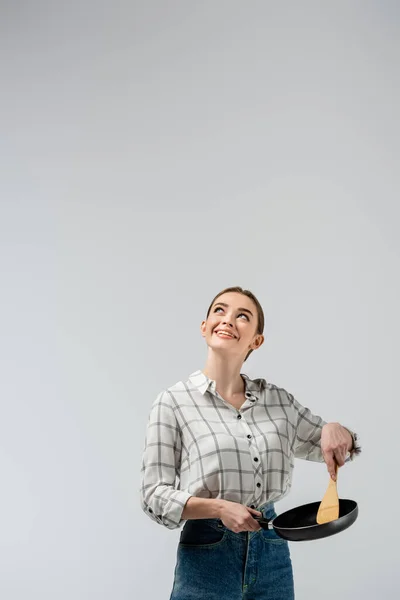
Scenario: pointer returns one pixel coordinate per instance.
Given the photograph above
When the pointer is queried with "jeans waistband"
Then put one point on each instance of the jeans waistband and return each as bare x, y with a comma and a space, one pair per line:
267, 510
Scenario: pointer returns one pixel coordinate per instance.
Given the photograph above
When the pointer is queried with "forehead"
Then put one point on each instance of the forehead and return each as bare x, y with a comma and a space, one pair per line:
236, 300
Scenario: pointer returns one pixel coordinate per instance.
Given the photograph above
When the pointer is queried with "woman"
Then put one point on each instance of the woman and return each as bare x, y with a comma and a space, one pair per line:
219, 450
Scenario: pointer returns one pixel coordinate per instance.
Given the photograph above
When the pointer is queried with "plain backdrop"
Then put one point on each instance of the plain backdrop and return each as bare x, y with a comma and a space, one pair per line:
153, 153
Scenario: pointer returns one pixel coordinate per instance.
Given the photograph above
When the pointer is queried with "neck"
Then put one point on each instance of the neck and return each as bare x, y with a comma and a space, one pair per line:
226, 374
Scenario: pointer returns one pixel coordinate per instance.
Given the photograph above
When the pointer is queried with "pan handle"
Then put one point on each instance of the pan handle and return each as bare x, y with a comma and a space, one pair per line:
265, 523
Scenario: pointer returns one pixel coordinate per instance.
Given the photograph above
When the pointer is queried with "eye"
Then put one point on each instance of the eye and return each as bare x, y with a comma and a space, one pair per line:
220, 308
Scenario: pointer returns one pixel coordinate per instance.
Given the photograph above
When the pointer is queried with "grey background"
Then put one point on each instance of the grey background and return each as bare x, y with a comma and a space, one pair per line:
153, 153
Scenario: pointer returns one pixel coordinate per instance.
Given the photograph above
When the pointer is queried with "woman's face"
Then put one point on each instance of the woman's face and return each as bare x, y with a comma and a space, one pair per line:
236, 313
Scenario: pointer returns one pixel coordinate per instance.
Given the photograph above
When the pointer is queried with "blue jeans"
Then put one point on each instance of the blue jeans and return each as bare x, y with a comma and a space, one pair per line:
214, 563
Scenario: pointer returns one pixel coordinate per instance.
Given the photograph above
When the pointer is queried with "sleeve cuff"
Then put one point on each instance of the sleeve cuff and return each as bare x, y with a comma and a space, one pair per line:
172, 513
356, 449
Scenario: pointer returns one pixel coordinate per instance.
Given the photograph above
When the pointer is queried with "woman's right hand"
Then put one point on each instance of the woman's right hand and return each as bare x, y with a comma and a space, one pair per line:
238, 517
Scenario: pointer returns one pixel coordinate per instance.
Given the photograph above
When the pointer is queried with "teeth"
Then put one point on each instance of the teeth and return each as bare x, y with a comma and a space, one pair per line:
222, 333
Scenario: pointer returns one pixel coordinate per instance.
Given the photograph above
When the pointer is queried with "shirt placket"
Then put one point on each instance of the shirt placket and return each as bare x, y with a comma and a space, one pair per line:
253, 449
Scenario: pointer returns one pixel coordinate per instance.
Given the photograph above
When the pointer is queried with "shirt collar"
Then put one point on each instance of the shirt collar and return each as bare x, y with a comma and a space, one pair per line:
204, 384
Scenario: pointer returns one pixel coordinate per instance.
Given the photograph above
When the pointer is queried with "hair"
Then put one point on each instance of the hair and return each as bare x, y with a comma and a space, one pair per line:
260, 312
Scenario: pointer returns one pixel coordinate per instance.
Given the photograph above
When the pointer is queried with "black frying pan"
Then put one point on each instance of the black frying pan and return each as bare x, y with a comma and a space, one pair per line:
300, 524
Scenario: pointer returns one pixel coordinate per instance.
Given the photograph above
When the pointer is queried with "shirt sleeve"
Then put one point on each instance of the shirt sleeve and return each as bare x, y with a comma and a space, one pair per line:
307, 443
308, 428
160, 498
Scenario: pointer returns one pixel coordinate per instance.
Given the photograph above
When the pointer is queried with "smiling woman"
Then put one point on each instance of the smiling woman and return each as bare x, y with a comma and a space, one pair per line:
219, 451
254, 313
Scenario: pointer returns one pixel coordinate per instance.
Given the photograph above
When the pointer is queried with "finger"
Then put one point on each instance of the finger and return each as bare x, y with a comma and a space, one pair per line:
334, 477
254, 514
253, 523
253, 510
340, 460
330, 464
340, 457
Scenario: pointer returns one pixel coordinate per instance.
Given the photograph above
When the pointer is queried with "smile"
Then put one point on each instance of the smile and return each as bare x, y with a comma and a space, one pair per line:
225, 335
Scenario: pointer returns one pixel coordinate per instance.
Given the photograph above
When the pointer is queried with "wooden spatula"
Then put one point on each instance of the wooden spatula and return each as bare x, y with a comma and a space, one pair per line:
329, 507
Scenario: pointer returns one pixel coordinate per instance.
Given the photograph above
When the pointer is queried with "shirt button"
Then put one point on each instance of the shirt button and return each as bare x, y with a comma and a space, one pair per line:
239, 416
258, 484
256, 459
249, 436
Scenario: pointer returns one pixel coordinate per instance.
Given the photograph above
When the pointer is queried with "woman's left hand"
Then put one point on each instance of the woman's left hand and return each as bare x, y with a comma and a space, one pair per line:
336, 441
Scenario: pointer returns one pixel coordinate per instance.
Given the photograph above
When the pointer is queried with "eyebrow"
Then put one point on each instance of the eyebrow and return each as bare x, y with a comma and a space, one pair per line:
225, 304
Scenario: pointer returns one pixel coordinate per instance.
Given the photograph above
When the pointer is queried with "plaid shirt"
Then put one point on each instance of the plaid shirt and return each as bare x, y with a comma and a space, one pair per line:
197, 444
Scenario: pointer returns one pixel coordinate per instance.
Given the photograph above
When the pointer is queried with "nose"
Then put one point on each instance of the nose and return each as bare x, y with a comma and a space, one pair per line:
227, 321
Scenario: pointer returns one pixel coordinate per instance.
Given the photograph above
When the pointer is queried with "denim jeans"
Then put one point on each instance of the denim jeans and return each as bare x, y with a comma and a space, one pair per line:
214, 563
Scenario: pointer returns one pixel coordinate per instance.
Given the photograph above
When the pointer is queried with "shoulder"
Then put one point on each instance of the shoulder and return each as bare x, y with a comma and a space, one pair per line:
177, 390
170, 395
260, 383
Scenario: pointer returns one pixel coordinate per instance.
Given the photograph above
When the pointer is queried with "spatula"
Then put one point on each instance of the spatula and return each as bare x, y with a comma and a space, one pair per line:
329, 507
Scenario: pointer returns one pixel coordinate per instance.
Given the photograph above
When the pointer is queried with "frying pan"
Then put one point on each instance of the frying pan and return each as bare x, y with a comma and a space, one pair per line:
300, 523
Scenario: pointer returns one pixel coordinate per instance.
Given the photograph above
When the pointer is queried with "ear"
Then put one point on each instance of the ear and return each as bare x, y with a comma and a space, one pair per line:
203, 328
258, 342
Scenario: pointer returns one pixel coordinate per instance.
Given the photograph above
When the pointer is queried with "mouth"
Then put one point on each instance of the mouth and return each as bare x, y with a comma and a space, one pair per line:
224, 335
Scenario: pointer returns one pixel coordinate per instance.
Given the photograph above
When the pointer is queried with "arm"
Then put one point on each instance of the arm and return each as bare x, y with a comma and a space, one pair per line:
308, 429
159, 498
202, 508
317, 440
